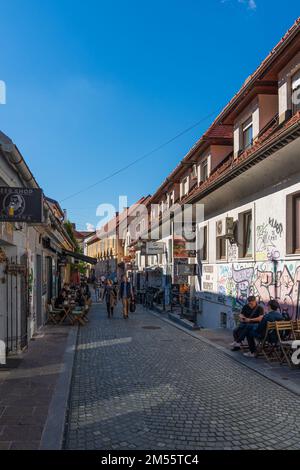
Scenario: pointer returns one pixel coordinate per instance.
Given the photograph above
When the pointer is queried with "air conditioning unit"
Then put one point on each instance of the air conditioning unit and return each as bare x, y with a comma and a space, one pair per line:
194, 173
225, 227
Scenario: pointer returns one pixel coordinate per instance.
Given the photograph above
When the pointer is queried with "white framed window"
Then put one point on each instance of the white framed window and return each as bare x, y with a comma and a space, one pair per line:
162, 207
204, 170
185, 186
247, 133
296, 92
194, 172
171, 198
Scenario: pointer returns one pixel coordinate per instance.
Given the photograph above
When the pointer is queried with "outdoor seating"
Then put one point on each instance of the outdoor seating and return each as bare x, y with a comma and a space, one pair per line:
54, 315
67, 310
78, 315
286, 337
268, 345
296, 328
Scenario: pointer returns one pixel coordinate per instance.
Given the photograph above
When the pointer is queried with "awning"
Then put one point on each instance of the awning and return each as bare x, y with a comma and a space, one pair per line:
80, 256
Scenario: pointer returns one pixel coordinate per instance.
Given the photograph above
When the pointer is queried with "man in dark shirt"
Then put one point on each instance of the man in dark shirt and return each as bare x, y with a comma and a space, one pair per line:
252, 310
258, 330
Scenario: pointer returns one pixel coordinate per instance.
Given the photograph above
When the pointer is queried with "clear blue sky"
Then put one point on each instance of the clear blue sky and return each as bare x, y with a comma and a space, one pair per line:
93, 85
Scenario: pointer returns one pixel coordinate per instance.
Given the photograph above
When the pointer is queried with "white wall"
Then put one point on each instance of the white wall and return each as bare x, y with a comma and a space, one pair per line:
226, 284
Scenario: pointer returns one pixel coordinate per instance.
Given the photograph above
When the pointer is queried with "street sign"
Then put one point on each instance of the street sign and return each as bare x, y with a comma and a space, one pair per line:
21, 205
155, 248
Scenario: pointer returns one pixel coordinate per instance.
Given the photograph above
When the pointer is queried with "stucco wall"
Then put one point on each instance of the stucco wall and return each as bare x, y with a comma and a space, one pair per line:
271, 273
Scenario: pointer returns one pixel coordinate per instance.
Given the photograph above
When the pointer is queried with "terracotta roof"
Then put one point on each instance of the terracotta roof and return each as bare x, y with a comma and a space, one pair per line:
223, 131
82, 234
271, 134
219, 132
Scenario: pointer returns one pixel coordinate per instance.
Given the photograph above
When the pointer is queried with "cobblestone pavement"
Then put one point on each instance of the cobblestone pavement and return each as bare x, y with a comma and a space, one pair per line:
26, 389
143, 384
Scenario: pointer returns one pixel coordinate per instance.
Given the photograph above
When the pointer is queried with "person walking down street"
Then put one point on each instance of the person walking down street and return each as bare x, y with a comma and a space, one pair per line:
102, 288
110, 295
126, 295
97, 287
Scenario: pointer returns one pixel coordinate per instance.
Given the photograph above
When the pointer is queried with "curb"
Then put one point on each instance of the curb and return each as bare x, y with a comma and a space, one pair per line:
181, 321
53, 433
291, 387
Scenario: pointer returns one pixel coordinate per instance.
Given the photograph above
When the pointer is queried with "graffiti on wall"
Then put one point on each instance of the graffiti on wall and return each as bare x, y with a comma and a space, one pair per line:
266, 281
267, 236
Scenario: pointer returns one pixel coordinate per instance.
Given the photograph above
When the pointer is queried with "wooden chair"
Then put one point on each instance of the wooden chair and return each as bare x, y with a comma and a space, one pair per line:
286, 337
296, 328
53, 315
268, 346
78, 316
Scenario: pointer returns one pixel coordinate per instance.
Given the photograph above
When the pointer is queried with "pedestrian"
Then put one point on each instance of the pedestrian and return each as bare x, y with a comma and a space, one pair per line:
102, 288
258, 330
97, 287
126, 295
251, 310
110, 295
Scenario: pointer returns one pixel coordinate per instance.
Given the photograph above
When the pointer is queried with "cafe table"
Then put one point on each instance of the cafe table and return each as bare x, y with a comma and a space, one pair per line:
67, 308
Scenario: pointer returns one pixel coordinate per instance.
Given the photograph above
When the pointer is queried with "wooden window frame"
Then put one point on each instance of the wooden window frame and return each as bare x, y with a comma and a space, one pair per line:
296, 250
245, 233
204, 249
219, 250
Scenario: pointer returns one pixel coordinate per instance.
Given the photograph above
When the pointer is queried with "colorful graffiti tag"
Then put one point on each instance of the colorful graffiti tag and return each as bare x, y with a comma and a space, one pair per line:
269, 280
267, 235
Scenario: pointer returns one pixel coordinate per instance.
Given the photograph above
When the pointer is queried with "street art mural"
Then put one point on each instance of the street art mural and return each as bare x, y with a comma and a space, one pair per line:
268, 234
269, 280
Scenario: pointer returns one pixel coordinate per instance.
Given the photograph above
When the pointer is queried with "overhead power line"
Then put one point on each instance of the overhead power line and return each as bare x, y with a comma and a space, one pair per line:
137, 160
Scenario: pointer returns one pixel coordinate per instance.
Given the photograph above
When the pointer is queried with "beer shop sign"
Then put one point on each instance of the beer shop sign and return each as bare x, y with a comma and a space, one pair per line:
21, 205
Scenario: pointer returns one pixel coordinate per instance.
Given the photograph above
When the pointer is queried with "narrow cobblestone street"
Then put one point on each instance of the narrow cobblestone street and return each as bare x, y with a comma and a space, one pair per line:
144, 384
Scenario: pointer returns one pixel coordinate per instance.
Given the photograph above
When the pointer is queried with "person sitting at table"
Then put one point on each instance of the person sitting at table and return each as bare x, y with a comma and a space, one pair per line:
258, 330
86, 290
60, 299
80, 298
251, 310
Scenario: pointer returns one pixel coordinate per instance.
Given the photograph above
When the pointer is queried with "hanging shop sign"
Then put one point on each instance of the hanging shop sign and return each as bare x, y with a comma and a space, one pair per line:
187, 270
183, 270
179, 248
3, 257
152, 248
155, 248
21, 205
14, 268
